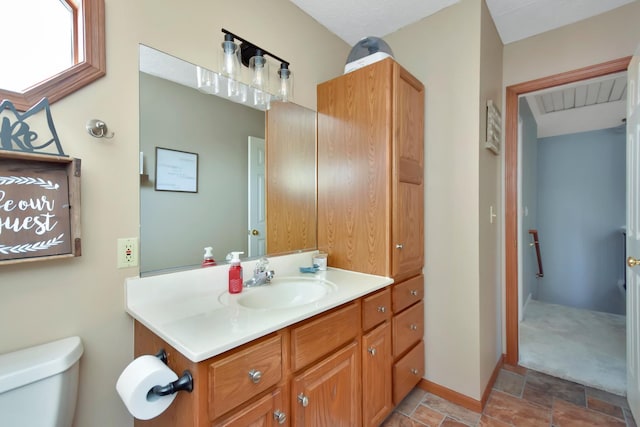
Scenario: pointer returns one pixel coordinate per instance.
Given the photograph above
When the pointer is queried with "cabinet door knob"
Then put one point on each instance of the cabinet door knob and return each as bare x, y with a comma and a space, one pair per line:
414, 293
413, 327
372, 351
304, 400
399, 246
280, 416
414, 371
381, 309
255, 376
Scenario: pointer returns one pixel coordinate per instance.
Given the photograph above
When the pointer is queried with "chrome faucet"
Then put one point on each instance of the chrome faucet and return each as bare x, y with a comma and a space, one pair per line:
261, 274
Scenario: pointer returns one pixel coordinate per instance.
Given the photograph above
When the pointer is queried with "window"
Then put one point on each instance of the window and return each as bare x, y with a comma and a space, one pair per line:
50, 48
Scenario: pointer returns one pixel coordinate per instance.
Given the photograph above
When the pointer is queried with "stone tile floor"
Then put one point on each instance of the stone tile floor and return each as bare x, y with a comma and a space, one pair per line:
520, 398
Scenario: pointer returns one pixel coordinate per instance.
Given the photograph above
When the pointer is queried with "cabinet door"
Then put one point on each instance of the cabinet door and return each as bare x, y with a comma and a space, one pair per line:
328, 394
376, 375
408, 184
267, 411
354, 163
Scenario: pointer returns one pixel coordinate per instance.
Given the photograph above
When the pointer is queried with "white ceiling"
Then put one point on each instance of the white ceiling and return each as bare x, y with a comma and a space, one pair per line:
351, 20
584, 106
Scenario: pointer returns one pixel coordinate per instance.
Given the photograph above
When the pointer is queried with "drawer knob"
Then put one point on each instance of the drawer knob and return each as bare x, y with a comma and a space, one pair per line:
413, 327
280, 416
414, 293
304, 400
414, 371
255, 376
372, 351
399, 246
381, 309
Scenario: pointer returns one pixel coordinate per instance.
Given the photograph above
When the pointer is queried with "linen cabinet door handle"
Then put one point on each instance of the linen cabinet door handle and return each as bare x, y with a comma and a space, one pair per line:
372, 351
414, 371
413, 327
304, 400
255, 376
399, 246
280, 416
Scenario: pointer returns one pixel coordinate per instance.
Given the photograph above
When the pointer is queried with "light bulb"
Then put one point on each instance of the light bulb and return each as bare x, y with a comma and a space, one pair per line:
285, 91
260, 71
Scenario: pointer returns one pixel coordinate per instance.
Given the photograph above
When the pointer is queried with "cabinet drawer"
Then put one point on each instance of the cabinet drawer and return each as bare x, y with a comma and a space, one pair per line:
408, 328
376, 309
323, 334
407, 372
407, 293
236, 378
263, 412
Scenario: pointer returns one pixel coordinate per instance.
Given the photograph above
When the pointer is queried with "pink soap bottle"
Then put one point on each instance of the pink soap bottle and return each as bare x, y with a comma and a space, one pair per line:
208, 257
235, 273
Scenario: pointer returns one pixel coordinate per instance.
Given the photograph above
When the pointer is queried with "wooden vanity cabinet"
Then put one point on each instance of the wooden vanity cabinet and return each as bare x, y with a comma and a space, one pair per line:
371, 195
334, 369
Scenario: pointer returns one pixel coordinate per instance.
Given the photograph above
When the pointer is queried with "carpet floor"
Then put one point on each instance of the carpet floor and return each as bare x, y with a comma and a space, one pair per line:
583, 346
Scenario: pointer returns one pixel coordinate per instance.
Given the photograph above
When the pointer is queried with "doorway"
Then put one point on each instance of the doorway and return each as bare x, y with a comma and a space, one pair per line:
511, 184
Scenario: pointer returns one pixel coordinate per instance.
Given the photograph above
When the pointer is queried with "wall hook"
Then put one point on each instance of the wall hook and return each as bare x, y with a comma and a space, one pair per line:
98, 129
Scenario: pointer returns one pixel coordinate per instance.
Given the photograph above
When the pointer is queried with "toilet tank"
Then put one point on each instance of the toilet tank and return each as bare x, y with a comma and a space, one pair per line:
39, 385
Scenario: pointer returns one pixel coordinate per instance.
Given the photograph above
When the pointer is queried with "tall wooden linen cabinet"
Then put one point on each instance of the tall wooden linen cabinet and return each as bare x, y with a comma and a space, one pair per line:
371, 208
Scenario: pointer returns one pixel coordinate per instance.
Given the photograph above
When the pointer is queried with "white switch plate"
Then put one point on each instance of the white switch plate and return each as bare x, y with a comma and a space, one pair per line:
492, 215
127, 252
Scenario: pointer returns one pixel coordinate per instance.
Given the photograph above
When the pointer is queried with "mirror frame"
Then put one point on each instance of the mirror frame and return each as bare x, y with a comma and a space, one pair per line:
77, 76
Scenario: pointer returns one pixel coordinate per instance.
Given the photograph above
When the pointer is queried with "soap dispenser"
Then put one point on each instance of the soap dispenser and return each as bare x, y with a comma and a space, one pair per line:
208, 257
235, 273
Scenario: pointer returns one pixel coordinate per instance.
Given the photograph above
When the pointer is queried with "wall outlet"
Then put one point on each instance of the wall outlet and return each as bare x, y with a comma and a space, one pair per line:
127, 252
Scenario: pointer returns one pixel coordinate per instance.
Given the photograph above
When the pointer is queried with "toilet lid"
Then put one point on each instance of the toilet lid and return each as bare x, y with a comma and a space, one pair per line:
22, 367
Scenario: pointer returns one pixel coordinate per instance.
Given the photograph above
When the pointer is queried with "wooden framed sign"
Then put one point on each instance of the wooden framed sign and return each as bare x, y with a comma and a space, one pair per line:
39, 207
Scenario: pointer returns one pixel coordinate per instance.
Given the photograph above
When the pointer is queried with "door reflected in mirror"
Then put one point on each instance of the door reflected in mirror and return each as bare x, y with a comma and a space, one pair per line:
278, 216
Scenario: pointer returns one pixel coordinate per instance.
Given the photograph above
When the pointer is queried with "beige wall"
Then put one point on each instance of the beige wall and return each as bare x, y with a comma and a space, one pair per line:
490, 188
448, 63
608, 36
43, 301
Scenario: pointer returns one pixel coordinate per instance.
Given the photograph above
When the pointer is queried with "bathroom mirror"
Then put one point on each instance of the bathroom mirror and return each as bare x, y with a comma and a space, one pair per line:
230, 148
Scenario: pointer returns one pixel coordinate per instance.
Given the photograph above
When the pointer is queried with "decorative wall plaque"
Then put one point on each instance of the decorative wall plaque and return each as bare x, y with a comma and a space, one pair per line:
39, 188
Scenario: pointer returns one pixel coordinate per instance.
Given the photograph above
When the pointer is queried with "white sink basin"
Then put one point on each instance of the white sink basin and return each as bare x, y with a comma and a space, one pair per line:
284, 292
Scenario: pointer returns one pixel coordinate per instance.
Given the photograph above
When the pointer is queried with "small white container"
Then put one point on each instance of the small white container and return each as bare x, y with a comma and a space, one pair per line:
320, 260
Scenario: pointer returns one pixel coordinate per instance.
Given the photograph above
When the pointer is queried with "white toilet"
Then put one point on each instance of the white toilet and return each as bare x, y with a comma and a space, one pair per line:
39, 385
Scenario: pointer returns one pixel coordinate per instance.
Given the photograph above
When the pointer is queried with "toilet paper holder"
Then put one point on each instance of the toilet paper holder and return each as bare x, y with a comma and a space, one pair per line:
184, 383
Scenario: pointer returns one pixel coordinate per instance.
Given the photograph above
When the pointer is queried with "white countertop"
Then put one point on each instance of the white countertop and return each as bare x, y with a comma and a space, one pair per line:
186, 311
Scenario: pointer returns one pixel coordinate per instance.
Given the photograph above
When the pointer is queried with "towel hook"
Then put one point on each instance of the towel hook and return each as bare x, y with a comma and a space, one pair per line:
98, 129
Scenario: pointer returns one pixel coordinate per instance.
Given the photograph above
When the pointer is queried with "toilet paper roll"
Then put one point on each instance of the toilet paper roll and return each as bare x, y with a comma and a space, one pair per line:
134, 383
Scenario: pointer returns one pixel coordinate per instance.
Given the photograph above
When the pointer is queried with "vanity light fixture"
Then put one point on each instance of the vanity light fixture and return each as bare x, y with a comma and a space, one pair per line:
255, 58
